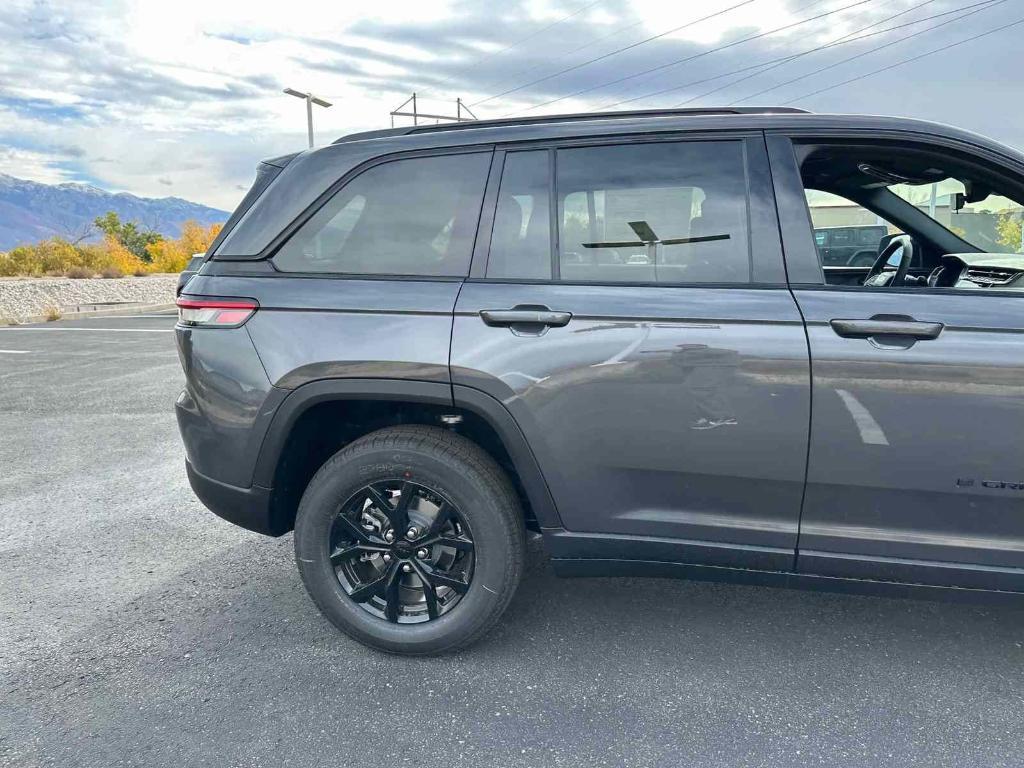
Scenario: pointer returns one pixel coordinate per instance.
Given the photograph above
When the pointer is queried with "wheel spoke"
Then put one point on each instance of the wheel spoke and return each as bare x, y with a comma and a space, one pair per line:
374, 588
339, 555
378, 501
342, 554
430, 596
398, 513
439, 579
392, 600
460, 543
353, 531
444, 514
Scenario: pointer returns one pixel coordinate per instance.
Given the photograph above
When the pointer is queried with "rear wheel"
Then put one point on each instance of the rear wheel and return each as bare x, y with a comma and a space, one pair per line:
410, 540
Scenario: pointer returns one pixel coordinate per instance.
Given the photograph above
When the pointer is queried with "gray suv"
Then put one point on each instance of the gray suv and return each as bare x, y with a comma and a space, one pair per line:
415, 345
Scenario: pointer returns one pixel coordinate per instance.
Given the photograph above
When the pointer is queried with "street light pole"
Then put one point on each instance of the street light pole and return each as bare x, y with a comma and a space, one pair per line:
310, 100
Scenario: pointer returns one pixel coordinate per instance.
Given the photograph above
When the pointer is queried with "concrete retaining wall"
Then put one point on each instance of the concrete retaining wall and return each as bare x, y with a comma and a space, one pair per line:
22, 298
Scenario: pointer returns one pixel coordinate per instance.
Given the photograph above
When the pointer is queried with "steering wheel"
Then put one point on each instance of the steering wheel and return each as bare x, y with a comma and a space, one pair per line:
899, 279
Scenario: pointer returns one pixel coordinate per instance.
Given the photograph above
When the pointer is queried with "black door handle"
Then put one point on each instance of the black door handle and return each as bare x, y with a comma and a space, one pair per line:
523, 316
906, 327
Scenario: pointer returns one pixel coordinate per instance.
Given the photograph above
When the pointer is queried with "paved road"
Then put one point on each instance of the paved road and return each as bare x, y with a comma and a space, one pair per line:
138, 629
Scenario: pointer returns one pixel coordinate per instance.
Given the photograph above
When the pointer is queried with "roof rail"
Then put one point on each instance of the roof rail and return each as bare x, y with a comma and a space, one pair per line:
574, 117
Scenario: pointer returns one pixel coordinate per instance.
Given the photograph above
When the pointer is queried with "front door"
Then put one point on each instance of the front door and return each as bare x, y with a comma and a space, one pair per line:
633, 317
916, 463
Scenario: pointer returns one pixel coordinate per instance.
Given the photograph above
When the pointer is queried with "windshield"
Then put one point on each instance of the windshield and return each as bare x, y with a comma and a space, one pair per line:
992, 224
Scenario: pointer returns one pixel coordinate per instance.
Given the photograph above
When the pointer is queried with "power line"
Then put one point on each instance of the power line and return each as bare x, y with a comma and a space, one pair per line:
910, 60
593, 42
764, 66
521, 40
983, 6
615, 52
687, 59
986, 4
848, 38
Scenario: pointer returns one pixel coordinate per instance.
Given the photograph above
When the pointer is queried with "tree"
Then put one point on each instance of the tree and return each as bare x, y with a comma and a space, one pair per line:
173, 255
128, 234
1008, 225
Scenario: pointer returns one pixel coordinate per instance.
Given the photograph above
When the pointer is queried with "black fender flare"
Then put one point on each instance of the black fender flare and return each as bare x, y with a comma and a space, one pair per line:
299, 400
523, 459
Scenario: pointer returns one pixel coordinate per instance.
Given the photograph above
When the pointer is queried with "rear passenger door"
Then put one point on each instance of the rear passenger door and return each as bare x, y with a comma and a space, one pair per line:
627, 304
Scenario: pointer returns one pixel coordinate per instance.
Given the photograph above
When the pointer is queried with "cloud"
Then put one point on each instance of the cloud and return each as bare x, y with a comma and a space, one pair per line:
34, 166
131, 94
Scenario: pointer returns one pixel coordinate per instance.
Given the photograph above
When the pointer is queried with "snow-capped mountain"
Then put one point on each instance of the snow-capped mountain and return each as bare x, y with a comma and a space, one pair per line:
30, 211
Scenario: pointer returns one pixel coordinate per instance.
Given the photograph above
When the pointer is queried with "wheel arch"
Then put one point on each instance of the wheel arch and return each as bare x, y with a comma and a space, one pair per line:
318, 418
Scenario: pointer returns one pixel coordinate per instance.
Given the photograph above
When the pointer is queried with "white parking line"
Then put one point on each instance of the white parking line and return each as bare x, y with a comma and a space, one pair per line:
93, 330
129, 317
14, 351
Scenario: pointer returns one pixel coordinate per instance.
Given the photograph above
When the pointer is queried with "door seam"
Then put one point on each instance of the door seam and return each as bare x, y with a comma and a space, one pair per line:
810, 360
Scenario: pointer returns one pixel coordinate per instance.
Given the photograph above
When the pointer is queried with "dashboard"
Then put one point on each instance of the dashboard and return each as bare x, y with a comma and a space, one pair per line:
1003, 271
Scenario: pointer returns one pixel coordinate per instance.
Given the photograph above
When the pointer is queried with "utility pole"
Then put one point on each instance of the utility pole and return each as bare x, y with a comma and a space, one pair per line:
460, 107
310, 101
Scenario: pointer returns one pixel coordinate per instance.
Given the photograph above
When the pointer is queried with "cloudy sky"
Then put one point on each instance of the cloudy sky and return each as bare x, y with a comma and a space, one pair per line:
183, 98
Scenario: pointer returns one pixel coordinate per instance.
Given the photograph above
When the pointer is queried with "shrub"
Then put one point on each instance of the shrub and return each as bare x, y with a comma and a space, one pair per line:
57, 256
111, 272
79, 273
52, 313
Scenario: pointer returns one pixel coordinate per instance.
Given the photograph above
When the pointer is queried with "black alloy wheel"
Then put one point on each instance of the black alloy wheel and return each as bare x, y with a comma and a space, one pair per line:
402, 551
411, 540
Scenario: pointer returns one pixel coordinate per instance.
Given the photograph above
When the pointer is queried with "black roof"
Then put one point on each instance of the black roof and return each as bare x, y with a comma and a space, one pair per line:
520, 129
567, 118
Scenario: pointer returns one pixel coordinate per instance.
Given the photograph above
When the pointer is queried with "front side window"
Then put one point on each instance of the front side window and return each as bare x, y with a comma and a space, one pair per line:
661, 213
416, 216
913, 217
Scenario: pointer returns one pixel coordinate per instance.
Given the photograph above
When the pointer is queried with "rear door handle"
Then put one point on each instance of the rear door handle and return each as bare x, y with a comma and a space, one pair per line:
525, 316
887, 326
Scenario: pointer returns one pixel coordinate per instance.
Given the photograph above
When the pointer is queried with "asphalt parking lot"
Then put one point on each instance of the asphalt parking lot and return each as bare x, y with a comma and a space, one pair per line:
138, 629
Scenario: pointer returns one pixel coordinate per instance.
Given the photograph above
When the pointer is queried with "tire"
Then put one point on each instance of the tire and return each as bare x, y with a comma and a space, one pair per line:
447, 471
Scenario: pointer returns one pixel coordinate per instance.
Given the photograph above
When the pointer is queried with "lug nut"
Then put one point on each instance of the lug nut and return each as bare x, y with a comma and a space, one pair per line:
387, 558
412, 533
389, 536
422, 554
406, 568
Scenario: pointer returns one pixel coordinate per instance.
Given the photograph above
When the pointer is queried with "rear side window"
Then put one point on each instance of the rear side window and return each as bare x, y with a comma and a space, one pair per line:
661, 213
416, 216
841, 237
521, 237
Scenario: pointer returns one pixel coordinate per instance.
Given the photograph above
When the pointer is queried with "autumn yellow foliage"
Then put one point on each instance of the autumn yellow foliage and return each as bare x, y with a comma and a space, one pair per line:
56, 256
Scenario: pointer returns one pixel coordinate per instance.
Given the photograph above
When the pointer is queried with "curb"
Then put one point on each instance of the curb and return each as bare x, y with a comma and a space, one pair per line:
133, 309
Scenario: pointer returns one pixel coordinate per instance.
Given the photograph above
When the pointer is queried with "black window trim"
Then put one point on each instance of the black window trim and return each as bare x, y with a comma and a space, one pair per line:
296, 224
482, 255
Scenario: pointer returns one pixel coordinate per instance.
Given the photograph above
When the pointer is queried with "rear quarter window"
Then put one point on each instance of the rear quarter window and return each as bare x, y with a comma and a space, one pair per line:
415, 216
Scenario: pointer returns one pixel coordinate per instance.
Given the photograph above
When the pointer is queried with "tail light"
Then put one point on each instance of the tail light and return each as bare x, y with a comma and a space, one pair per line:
200, 312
